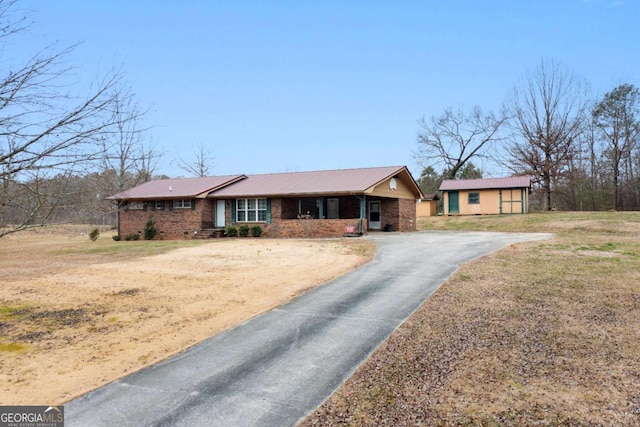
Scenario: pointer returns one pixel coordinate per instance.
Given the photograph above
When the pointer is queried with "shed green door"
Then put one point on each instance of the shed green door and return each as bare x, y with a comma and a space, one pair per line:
454, 206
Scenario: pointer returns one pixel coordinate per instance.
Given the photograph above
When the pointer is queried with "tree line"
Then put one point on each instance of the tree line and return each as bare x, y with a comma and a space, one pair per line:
582, 152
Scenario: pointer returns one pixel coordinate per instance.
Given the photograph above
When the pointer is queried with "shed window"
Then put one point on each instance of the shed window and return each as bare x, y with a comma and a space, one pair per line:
474, 198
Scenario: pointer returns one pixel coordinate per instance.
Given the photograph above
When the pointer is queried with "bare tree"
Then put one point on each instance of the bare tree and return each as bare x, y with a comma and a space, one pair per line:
128, 160
449, 141
547, 111
202, 162
617, 119
45, 130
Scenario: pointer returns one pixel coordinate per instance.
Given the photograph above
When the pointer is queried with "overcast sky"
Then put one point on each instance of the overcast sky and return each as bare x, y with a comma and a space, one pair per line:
274, 86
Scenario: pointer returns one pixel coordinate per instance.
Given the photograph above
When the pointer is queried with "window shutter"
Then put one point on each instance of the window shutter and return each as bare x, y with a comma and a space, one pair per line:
170, 203
153, 205
126, 206
193, 204
268, 211
144, 206
233, 211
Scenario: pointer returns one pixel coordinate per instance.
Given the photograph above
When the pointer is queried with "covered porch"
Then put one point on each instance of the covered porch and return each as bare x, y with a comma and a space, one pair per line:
336, 215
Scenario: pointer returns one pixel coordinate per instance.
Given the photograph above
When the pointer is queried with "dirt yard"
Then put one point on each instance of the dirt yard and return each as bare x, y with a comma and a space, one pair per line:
76, 314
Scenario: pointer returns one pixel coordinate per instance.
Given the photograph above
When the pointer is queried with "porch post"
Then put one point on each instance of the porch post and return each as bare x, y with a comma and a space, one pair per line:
363, 212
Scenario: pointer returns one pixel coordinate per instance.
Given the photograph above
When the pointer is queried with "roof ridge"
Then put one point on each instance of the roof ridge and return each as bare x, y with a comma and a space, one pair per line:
484, 179
197, 177
327, 170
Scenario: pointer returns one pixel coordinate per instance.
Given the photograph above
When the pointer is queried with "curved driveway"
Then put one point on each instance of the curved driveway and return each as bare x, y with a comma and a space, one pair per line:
277, 367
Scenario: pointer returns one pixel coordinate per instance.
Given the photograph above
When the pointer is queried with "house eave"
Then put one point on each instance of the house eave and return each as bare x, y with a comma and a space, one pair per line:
286, 195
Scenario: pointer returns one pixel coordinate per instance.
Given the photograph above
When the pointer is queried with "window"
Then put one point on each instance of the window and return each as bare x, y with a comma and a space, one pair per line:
251, 210
135, 206
182, 204
158, 205
474, 198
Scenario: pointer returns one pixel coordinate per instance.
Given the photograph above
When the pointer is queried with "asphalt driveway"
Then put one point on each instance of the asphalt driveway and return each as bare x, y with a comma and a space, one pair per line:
276, 368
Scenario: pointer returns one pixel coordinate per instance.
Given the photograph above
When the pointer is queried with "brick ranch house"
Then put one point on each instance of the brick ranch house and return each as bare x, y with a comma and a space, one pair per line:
298, 204
486, 196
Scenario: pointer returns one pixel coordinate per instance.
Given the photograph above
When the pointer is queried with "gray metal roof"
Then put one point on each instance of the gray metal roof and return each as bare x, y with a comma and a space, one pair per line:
176, 188
340, 181
485, 183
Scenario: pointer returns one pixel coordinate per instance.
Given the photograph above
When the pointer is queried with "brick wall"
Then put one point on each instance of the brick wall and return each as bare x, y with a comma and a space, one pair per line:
171, 224
400, 213
407, 215
304, 228
182, 223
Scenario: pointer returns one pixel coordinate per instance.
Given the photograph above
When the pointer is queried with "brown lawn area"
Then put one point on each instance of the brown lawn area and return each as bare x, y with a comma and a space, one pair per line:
545, 333
76, 314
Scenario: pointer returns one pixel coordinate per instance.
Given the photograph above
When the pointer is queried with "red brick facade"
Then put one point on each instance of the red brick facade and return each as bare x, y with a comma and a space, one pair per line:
399, 213
188, 223
177, 223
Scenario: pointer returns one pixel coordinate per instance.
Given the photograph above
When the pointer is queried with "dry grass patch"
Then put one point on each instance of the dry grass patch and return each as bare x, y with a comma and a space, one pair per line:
544, 333
76, 314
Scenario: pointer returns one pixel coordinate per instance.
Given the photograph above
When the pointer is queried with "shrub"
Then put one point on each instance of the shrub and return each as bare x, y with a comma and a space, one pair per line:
116, 237
231, 231
94, 234
132, 236
243, 231
256, 231
150, 229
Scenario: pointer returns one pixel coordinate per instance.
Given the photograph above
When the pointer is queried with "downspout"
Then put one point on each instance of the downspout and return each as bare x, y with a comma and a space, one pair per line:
500, 194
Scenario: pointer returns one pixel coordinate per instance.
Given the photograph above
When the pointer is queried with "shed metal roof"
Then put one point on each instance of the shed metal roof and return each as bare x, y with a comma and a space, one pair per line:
177, 188
339, 181
485, 183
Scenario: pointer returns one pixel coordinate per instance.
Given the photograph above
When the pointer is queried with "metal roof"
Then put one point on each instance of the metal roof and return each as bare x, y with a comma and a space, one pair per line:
430, 196
176, 188
486, 183
339, 181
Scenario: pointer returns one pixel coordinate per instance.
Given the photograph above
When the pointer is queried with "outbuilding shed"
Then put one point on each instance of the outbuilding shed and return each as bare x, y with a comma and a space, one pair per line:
427, 206
486, 196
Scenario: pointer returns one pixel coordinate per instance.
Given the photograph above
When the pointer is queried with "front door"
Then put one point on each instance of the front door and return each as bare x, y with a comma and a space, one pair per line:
220, 214
375, 223
454, 205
